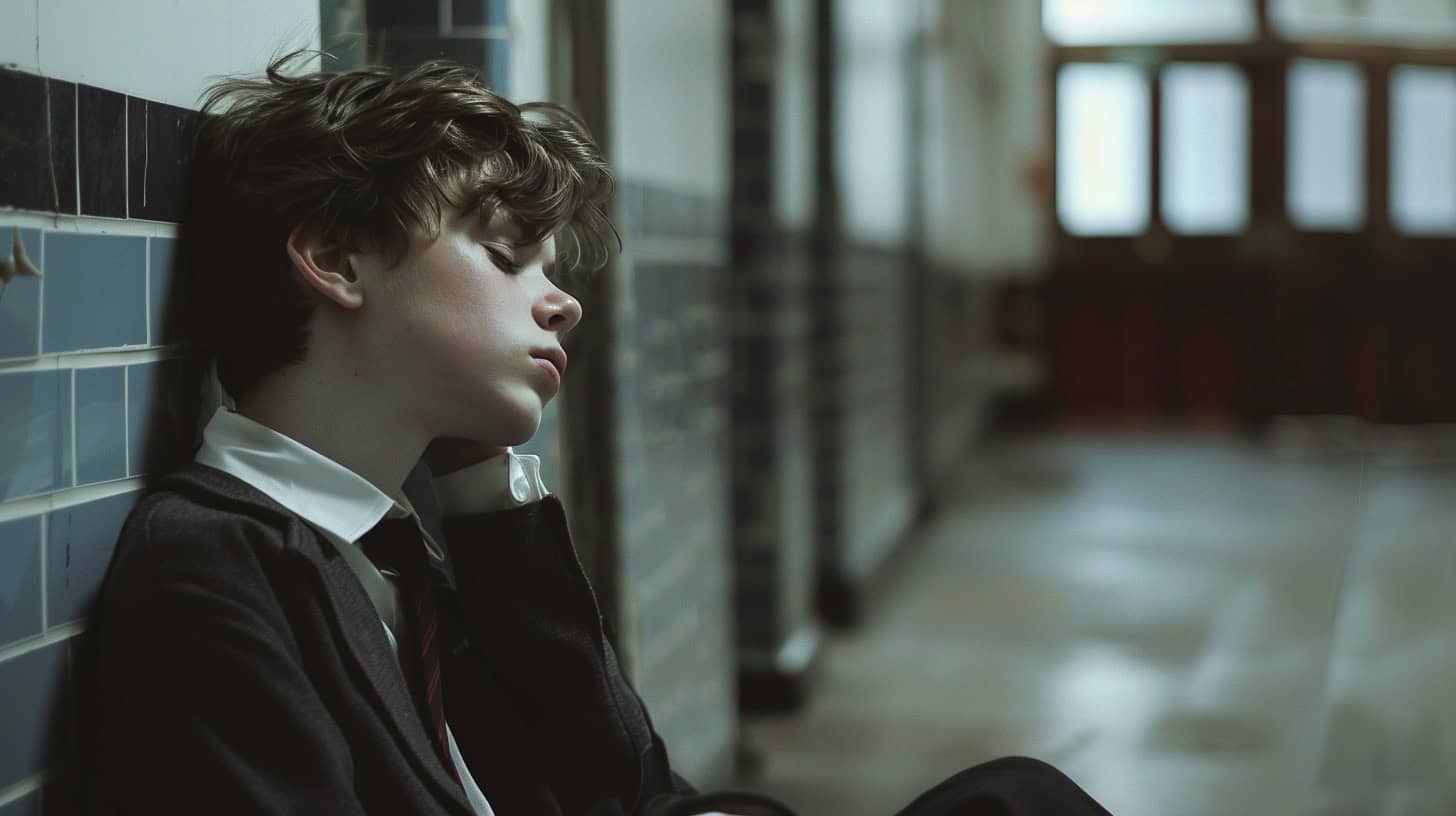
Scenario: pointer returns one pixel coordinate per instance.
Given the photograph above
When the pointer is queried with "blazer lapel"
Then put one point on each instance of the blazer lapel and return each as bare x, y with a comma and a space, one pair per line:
364, 638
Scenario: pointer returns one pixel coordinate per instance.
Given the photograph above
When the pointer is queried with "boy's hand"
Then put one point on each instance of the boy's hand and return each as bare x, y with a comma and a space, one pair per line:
448, 454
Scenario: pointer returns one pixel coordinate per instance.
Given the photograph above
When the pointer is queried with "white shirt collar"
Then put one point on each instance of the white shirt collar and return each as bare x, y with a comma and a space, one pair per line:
319, 490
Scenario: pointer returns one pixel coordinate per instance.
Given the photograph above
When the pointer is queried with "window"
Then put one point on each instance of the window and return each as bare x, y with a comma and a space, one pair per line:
1423, 150
1326, 160
1428, 22
1205, 145
1093, 22
1102, 149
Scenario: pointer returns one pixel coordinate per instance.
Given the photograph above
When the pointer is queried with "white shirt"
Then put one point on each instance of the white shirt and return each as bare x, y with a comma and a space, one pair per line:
343, 506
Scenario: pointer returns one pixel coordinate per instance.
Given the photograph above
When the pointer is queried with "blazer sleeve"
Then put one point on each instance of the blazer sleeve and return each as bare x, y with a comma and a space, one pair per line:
206, 707
530, 610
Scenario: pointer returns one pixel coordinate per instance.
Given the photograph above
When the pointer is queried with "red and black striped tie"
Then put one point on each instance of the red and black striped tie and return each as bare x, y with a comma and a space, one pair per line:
395, 543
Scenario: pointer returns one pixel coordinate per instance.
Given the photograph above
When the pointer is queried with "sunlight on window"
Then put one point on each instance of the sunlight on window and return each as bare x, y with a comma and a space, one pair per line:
1205, 182
1326, 145
1423, 150
1102, 149
1092, 22
1427, 22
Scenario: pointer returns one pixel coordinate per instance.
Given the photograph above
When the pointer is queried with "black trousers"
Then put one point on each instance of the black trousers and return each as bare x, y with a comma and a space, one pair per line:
1012, 786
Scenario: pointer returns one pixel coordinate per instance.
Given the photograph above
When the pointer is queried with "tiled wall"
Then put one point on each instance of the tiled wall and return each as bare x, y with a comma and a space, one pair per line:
91, 180
774, 504
671, 337
865, 483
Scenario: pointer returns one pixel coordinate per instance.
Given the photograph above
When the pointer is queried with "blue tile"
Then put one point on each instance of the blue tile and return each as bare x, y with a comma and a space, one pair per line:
27, 805
158, 435
35, 432
495, 13
159, 268
79, 543
100, 424
19, 579
20, 302
31, 709
95, 291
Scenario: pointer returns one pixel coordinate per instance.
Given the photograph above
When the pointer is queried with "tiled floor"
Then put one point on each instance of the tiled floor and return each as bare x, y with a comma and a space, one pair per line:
1186, 624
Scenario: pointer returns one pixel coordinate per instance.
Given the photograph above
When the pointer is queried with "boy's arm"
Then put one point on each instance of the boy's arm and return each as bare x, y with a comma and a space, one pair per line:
207, 708
524, 594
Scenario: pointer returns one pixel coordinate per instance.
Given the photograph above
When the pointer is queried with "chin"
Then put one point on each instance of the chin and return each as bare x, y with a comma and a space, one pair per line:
518, 429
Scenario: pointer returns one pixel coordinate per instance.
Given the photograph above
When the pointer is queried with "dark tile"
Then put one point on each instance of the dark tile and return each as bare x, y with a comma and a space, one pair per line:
405, 51
35, 432
20, 303
468, 12
479, 13
79, 543
38, 143
27, 805
100, 424
159, 144
95, 287
19, 578
160, 256
391, 13
101, 145
159, 422
32, 709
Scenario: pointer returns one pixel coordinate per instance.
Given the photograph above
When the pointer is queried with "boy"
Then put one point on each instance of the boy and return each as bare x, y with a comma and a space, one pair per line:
370, 261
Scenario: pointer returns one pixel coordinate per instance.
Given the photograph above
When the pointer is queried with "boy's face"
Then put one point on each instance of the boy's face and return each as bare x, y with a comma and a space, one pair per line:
469, 328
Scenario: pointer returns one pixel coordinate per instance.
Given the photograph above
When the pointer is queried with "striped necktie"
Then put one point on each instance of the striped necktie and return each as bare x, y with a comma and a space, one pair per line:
395, 543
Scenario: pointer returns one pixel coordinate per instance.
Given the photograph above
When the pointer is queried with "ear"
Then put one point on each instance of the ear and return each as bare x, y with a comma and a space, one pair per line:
324, 267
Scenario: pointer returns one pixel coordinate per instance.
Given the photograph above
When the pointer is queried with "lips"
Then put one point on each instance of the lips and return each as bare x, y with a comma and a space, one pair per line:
556, 357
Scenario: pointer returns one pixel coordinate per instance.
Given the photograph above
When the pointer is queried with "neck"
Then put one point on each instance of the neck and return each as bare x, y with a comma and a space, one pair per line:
328, 404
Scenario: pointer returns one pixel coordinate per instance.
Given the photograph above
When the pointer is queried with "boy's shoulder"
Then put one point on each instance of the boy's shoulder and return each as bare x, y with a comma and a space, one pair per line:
200, 512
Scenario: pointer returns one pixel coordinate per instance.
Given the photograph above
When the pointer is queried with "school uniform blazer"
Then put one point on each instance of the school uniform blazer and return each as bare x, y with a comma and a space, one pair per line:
243, 670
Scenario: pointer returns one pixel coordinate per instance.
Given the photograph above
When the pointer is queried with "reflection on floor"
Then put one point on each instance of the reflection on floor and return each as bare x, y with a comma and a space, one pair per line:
1184, 624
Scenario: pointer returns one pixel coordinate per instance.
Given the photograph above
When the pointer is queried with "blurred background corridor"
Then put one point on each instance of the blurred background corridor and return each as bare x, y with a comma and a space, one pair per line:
1070, 378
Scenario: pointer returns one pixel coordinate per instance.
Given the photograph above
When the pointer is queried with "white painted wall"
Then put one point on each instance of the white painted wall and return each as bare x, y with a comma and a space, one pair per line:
530, 22
987, 111
165, 50
669, 93
872, 134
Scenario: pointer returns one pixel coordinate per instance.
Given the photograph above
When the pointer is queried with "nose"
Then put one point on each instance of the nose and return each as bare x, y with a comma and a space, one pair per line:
558, 312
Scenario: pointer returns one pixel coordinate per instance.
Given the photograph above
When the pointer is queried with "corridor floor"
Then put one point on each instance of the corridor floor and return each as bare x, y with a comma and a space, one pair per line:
1185, 624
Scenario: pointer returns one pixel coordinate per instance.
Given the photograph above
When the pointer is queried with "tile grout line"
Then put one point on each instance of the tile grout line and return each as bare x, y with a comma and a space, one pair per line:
75, 477
68, 497
126, 417
86, 224
45, 601
56, 634
76, 113
22, 788
126, 355
126, 154
147, 286
40, 298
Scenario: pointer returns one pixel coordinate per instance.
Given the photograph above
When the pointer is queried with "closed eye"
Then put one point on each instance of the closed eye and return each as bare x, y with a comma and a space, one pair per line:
504, 261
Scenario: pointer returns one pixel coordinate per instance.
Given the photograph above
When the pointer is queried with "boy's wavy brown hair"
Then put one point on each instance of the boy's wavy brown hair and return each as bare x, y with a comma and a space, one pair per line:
372, 157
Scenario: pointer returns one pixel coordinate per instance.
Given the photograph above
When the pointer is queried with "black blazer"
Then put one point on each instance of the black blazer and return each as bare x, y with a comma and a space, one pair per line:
243, 670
